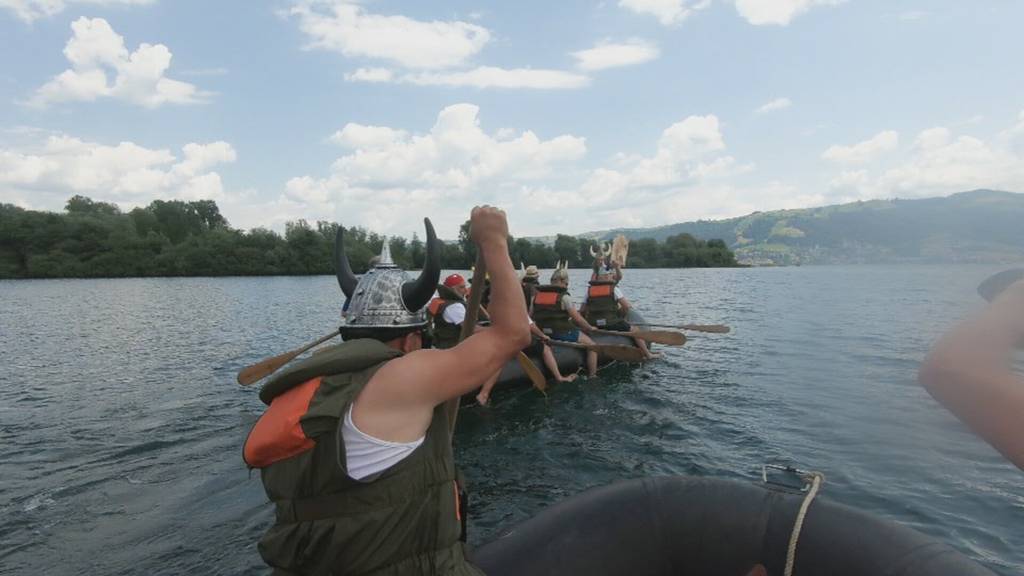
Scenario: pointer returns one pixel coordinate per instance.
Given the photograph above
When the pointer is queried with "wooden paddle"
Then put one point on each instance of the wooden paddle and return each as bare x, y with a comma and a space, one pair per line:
531, 370
468, 325
666, 337
613, 351
712, 328
261, 370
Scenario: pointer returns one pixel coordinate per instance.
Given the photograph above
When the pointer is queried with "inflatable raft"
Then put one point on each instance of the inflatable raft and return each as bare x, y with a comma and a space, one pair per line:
682, 525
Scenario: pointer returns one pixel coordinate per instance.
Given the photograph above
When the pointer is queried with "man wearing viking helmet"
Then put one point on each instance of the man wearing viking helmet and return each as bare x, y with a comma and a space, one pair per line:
355, 449
557, 317
603, 262
606, 307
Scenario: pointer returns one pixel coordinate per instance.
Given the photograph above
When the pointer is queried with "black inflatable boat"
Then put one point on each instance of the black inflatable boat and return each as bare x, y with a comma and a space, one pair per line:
675, 526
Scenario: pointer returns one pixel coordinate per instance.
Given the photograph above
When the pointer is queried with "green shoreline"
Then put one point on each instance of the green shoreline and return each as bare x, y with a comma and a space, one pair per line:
173, 239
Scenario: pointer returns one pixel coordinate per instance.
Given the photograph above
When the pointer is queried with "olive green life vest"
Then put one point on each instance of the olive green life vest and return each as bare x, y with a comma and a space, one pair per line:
549, 311
602, 308
444, 333
405, 521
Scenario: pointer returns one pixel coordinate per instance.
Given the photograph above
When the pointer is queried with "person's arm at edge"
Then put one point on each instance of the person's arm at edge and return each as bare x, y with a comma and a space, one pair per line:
969, 373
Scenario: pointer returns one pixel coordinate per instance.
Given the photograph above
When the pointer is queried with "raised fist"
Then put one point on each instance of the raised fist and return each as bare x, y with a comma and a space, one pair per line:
488, 224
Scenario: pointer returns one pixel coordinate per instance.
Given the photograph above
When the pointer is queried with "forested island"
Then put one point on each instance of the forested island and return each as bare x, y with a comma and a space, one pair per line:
93, 239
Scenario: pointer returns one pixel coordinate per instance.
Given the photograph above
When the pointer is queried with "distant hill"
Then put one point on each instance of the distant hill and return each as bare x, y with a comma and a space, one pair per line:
977, 226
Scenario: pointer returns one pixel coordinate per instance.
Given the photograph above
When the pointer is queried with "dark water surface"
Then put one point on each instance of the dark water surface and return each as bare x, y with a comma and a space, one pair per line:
121, 425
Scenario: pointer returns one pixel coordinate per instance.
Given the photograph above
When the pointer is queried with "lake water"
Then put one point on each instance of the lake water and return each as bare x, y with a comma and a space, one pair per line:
121, 423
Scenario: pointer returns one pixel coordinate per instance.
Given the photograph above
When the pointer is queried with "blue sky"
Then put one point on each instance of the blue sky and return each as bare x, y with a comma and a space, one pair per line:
573, 116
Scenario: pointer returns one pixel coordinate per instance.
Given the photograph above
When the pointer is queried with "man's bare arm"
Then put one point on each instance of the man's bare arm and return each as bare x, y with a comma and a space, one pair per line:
579, 320
969, 371
398, 402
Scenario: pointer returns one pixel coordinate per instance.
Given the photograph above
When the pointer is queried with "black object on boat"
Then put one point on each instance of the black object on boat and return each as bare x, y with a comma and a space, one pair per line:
680, 525
995, 284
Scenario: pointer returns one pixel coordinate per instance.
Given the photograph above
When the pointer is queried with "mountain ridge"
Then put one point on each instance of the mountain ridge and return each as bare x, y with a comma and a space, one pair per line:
974, 226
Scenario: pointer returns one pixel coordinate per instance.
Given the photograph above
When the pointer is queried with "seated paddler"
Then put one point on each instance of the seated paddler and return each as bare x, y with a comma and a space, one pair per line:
445, 316
446, 312
540, 344
605, 306
355, 449
557, 317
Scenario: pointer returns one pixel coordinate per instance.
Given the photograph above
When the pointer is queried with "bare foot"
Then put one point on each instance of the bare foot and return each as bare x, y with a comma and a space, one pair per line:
569, 378
482, 399
653, 355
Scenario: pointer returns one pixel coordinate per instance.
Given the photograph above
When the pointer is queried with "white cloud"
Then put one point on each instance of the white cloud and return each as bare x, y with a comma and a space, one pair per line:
95, 48
668, 12
434, 53
127, 173
479, 77
686, 153
777, 104
494, 77
941, 163
31, 10
865, 151
370, 75
613, 55
777, 12
389, 178
348, 28
359, 136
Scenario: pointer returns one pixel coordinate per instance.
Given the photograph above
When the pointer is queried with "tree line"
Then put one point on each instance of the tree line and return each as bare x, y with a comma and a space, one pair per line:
92, 239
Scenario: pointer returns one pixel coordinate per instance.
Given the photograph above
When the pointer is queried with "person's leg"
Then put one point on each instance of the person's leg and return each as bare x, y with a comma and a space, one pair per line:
591, 356
642, 345
484, 395
552, 364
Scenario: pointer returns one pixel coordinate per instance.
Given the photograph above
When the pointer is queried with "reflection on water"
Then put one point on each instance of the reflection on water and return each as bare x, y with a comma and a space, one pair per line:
122, 425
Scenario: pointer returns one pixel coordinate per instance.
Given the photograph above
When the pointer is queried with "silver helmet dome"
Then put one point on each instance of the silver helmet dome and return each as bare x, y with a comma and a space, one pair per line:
385, 302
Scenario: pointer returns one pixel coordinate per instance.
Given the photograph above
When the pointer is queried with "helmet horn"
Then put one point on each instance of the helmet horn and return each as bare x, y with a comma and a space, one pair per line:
416, 293
346, 279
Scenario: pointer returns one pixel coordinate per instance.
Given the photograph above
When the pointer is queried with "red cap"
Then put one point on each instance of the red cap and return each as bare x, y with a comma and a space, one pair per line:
454, 280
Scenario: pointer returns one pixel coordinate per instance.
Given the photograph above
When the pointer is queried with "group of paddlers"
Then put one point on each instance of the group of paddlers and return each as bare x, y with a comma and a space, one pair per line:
553, 316
355, 447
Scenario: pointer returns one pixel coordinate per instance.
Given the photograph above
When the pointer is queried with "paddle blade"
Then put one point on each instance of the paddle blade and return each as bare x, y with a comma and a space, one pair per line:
532, 372
620, 352
261, 370
666, 337
712, 328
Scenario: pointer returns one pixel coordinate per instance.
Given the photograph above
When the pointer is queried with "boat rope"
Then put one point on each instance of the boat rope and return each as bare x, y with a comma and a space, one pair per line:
816, 480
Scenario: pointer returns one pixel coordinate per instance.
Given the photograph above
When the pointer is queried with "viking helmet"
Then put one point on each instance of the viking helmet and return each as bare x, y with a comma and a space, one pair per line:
385, 303
602, 252
561, 273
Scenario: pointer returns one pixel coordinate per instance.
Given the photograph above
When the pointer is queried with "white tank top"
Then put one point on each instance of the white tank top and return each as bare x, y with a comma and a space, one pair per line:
366, 456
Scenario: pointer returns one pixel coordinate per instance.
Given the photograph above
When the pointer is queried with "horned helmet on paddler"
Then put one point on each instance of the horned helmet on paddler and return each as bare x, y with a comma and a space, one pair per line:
385, 303
602, 258
560, 276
